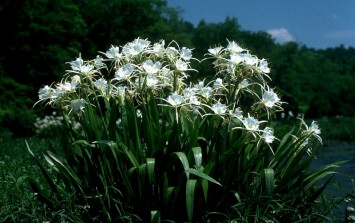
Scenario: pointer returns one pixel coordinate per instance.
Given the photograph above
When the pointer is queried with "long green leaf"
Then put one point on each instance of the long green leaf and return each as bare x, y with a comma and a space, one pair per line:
190, 198
183, 160
155, 216
202, 175
269, 181
197, 152
43, 170
150, 169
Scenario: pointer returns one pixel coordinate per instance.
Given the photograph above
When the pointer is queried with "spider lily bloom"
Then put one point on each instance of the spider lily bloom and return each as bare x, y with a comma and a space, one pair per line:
236, 58
135, 47
238, 113
263, 66
150, 67
249, 59
206, 92
77, 64
158, 49
45, 93
98, 62
87, 69
124, 72
243, 84
101, 85
194, 100
75, 80
188, 92
215, 51
219, 108
233, 47
218, 83
185, 54
199, 86
268, 135
172, 52
152, 81
60, 90
313, 130
113, 53
251, 123
181, 65
175, 99
67, 87
77, 105
270, 98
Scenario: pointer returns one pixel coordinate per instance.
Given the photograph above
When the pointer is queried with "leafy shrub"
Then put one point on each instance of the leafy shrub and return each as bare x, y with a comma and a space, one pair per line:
155, 146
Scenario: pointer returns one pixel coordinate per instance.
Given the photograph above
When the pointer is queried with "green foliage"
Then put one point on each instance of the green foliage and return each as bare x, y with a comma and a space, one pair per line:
153, 147
14, 114
19, 203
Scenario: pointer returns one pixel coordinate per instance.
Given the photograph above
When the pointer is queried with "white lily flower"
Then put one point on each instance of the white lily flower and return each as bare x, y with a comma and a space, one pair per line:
244, 84
175, 99
124, 72
135, 47
215, 51
152, 81
218, 83
101, 84
77, 64
251, 123
150, 67
158, 48
315, 128
185, 54
268, 135
270, 98
233, 47
238, 113
249, 59
172, 52
113, 53
263, 66
45, 93
219, 108
181, 65
78, 104
206, 92
236, 58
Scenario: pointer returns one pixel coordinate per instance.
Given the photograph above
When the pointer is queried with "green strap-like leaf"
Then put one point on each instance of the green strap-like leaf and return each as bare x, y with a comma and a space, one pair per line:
198, 156
184, 161
202, 175
269, 181
150, 169
155, 216
190, 197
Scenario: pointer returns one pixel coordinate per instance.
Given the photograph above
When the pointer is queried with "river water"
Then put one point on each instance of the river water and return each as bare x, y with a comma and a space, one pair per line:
331, 152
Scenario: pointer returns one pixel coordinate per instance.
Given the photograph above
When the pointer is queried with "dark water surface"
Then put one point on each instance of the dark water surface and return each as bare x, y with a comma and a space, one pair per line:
332, 152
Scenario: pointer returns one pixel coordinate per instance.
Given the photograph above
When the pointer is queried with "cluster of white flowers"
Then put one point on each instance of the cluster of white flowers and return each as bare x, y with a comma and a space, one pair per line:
46, 125
140, 66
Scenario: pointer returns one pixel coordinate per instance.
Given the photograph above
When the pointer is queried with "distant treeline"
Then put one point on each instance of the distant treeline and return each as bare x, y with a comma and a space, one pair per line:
40, 36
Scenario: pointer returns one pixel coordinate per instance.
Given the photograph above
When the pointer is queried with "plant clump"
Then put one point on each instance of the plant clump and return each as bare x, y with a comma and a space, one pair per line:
154, 145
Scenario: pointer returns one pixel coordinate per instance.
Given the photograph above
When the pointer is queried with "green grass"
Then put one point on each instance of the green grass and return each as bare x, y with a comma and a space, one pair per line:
18, 202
